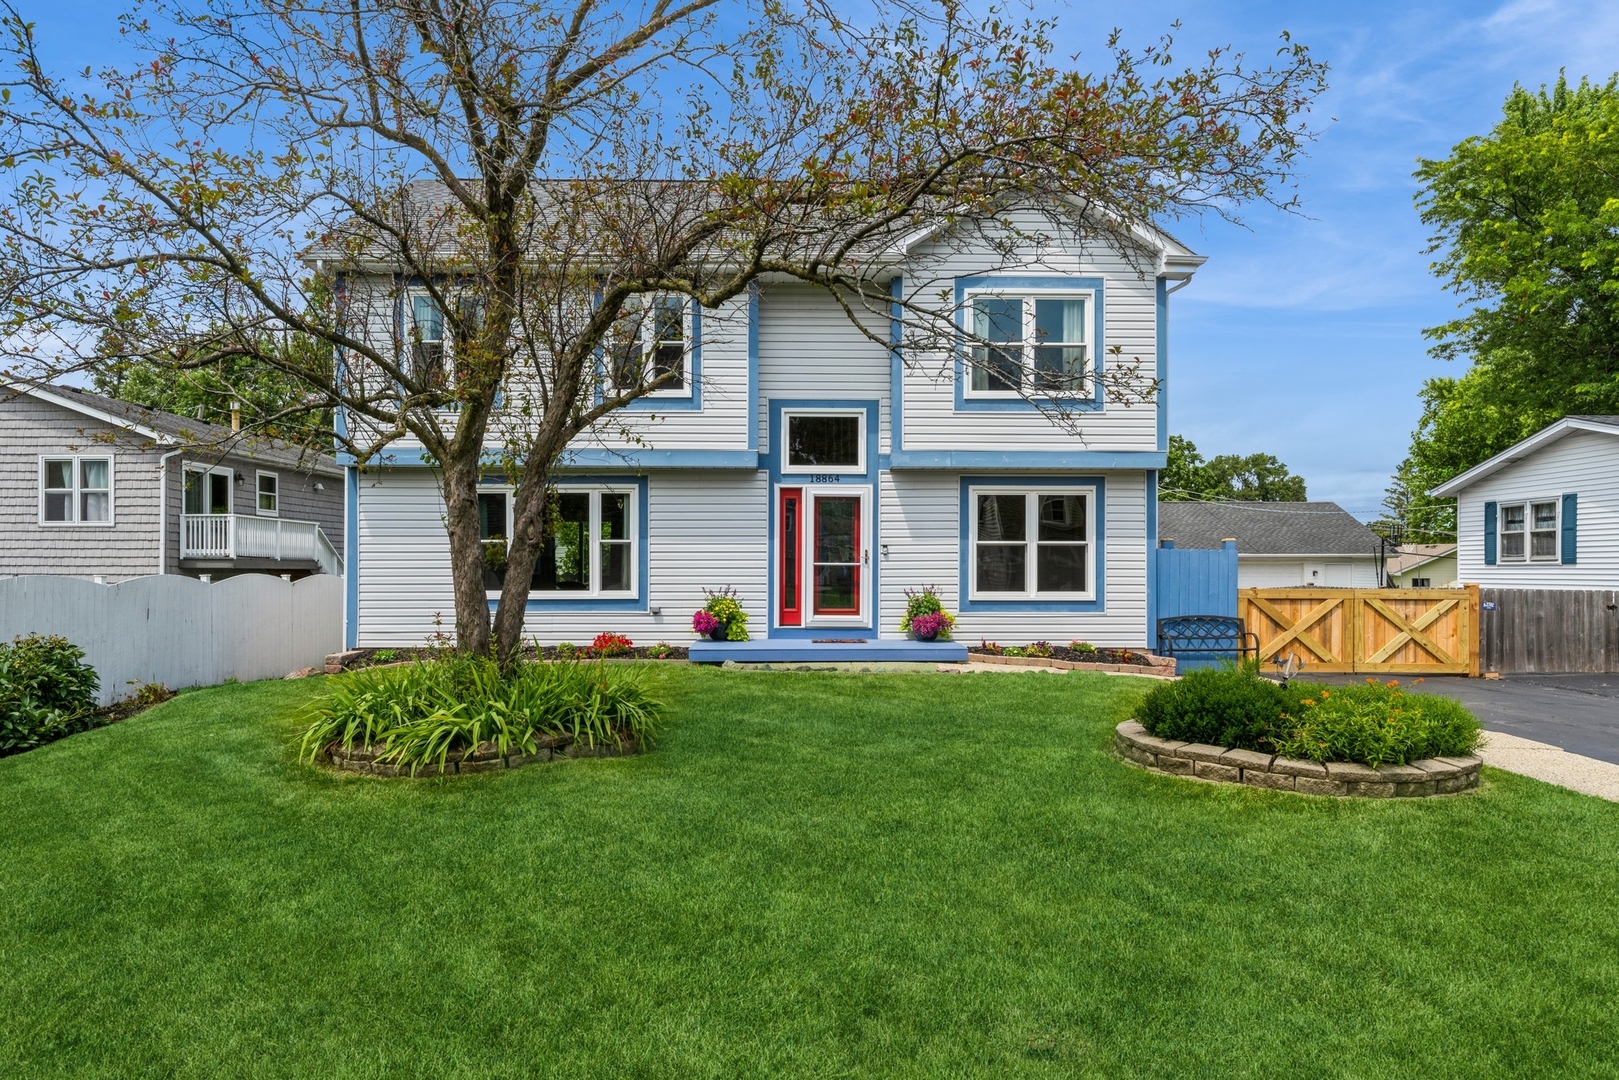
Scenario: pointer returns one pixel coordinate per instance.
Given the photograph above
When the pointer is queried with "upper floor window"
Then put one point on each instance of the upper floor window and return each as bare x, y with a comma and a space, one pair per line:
825, 442
427, 359
1030, 345
650, 344
269, 492
1031, 544
75, 490
1529, 531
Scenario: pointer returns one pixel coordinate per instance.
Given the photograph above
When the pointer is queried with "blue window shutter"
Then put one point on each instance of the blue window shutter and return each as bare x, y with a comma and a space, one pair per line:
1489, 533
1569, 527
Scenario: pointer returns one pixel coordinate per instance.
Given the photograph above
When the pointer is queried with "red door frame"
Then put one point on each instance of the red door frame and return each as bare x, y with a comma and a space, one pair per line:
790, 544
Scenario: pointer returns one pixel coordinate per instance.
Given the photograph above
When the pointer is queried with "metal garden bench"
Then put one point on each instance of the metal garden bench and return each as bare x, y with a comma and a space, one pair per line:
1210, 637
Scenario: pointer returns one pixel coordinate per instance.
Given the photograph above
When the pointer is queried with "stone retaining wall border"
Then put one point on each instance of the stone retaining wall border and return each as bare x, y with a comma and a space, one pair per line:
1156, 665
485, 758
1430, 776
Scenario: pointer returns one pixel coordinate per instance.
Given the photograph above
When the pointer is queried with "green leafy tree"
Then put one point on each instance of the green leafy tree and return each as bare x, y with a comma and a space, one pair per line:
1526, 234
1252, 478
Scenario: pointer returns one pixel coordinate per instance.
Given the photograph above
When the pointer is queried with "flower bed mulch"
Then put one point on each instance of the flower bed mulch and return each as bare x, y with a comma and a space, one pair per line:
1063, 652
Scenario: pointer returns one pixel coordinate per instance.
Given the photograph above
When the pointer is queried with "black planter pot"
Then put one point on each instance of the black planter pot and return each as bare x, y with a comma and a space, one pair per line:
718, 634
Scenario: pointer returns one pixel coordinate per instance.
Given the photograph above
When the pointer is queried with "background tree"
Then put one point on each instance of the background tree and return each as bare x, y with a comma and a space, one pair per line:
1254, 477
1526, 230
541, 171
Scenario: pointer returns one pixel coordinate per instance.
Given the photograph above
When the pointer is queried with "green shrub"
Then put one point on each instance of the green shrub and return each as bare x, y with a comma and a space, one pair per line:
1227, 706
46, 692
1377, 724
424, 711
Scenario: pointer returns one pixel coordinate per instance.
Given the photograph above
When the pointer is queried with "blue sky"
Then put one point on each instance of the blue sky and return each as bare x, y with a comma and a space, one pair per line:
1302, 336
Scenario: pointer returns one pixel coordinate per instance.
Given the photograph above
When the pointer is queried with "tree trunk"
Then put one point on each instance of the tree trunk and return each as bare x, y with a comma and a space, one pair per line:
460, 488
528, 533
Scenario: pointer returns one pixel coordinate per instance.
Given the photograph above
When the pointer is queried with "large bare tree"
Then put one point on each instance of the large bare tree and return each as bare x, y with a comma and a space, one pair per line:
542, 171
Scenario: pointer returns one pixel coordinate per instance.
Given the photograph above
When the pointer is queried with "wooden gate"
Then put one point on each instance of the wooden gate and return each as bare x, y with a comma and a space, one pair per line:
1399, 631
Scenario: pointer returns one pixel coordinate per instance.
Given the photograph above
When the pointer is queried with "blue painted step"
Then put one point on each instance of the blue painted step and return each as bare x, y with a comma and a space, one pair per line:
810, 651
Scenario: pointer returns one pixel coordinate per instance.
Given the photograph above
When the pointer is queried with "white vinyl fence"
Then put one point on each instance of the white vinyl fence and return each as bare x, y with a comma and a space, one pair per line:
179, 631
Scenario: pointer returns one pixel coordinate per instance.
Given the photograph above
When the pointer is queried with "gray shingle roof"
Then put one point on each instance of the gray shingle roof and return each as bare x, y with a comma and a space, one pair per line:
1267, 528
193, 432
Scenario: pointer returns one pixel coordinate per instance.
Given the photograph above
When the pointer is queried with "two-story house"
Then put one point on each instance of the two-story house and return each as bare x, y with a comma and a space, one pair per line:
95, 487
823, 474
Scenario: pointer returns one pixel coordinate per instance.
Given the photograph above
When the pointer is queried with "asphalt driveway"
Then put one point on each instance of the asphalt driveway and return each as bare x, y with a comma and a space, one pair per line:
1579, 713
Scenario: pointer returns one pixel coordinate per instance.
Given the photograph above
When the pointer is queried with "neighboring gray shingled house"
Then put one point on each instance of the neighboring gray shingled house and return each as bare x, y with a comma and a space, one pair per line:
94, 487
1280, 545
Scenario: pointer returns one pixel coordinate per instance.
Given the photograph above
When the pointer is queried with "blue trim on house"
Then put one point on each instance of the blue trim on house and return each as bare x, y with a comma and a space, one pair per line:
1099, 564
596, 458
1030, 459
777, 650
1163, 367
896, 366
564, 603
1011, 283
1152, 559
772, 463
670, 402
351, 557
753, 365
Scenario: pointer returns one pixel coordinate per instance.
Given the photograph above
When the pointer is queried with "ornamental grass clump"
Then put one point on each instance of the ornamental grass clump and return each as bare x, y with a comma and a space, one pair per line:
421, 713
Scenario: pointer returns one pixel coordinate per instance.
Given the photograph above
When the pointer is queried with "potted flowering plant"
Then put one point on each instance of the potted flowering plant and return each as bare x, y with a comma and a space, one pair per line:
721, 617
925, 617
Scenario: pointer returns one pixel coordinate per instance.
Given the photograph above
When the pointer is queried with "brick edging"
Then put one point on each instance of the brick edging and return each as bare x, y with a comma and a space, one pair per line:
1156, 665
484, 758
1430, 776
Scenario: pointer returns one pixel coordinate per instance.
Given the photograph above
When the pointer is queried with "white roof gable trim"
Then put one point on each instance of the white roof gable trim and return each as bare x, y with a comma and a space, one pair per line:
159, 437
1513, 454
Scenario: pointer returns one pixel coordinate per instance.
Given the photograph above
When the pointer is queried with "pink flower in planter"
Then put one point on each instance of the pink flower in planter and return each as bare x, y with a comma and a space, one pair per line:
704, 623
930, 626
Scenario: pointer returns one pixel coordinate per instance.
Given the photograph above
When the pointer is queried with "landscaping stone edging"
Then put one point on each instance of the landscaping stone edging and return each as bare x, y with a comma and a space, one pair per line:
1156, 665
484, 758
1430, 776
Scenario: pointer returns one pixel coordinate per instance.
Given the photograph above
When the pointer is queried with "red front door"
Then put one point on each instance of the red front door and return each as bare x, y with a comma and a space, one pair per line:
791, 539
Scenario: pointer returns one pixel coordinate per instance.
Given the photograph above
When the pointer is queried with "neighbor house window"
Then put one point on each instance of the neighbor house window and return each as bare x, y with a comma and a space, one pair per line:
589, 544
1529, 531
825, 442
76, 489
650, 345
269, 494
1421, 583
1029, 345
1034, 544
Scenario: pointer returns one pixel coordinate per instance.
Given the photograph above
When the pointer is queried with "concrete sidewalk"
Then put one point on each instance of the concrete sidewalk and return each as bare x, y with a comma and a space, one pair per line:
1553, 764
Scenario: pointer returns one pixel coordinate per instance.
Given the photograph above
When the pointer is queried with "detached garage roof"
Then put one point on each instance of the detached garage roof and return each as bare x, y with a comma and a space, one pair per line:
1267, 528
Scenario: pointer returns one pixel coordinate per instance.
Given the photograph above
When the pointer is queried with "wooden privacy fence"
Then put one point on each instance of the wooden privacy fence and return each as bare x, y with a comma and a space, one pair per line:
1549, 629
1395, 631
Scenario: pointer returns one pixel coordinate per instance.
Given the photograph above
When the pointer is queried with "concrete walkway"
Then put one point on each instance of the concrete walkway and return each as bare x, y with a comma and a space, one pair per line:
1553, 764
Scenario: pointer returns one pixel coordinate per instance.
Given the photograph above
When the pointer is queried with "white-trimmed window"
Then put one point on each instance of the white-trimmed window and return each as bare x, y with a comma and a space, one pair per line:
824, 441
651, 342
1030, 344
427, 353
75, 489
1530, 530
1037, 544
268, 486
589, 549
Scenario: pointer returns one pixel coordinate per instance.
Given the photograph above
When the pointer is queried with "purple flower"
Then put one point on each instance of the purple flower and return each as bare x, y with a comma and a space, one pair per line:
929, 626
704, 623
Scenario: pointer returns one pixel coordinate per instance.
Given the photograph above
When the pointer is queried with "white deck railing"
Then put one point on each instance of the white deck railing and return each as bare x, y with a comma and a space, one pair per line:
242, 536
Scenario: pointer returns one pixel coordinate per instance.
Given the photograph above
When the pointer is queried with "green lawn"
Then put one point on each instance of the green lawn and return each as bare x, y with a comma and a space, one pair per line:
812, 876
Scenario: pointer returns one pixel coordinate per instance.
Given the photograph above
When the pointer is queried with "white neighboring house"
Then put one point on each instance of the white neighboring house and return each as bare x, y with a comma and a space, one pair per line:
1280, 545
807, 466
1422, 566
1543, 514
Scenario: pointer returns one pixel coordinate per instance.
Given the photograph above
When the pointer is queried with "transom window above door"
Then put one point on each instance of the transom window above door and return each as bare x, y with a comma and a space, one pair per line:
1030, 345
824, 442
